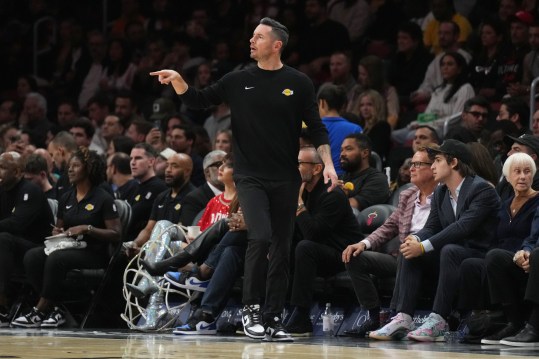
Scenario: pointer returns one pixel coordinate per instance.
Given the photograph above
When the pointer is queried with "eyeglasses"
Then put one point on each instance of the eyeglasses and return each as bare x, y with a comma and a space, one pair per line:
478, 114
216, 164
311, 163
419, 164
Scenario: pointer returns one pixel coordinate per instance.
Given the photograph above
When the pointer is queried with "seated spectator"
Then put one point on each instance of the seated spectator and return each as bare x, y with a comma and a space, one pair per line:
471, 127
460, 225
373, 118
509, 275
119, 71
363, 258
372, 75
449, 98
197, 199
142, 162
25, 218
516, 110
138, 129
36, 170
409, 65
530, 145
33, 119
182, 140
94, 218
340, 72
448, 34
218, 121
119, 176
83, 131
483, 68
67, 112
370, 185
61, 148
120, 144
443, 10
331, 99
223, 141
325, 226
515, 220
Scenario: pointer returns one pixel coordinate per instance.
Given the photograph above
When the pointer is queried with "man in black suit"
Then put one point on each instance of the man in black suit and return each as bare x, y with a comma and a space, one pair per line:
196, 201
460, 225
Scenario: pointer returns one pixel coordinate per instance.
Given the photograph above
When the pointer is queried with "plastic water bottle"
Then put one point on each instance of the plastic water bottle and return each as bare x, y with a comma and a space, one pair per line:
328, 321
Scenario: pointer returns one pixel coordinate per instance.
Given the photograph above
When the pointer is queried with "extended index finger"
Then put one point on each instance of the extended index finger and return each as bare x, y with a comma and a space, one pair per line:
157, 73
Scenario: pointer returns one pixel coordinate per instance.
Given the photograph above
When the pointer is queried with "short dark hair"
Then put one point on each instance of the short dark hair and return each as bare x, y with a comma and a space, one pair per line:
66, 140
362, 140
280, 31
476, 101
518, 106
150, 151
101, 100
35, 164
335, 96
433, 132
123, 144
463, 169
412, 29
121, 161
142, 126
189, 132
86, 125
456, 27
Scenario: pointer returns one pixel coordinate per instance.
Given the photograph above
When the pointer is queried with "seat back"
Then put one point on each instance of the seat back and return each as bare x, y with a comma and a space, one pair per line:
198, 217
374, 216
124, 212
376, 161
394, 198
53, 204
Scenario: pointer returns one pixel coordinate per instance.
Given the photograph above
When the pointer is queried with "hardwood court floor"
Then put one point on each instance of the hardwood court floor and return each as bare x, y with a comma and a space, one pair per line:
61, 344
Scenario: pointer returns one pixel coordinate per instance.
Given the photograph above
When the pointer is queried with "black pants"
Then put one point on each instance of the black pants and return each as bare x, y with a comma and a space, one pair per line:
312, 258
446, 263
360, 269
473, 287
269, 209
46, 273
12, 250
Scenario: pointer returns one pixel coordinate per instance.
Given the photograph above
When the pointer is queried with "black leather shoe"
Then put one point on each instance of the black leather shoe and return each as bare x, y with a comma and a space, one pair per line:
361, 331
527, 337
299, 327
509, 330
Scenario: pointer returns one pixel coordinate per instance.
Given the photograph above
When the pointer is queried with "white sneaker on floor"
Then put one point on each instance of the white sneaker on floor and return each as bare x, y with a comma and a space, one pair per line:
55, 319
396, 329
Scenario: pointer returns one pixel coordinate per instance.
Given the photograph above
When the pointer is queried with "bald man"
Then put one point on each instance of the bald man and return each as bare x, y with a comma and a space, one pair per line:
25, 220
168, 204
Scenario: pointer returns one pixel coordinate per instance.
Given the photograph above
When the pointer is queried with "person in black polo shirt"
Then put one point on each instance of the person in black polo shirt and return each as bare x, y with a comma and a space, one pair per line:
142, 161
86, 213
168, 204
25, 218
119, 176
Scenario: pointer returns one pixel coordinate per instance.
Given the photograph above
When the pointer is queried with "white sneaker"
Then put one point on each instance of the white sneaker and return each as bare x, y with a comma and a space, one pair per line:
396, 329
55, 319
252, 322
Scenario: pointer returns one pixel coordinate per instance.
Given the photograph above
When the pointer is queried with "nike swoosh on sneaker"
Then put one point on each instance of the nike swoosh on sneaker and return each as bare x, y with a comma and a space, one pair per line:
249, 87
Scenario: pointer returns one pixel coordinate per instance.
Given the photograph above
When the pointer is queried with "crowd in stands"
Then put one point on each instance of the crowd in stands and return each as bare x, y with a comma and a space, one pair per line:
427, 101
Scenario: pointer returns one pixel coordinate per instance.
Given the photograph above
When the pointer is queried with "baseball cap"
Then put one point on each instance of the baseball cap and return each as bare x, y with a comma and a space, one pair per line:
162, 108
527, 140
454, 148
167, 153
523, 17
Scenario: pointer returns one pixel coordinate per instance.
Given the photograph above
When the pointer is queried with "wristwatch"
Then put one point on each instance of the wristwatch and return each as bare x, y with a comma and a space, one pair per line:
90, 228
300, 207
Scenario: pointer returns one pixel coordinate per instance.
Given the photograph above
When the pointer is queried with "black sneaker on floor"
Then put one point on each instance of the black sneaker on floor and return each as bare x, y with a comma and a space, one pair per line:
275, 331
363, 330
299, 327
527, 337
252, 322
32, 319
55, 319
509, 330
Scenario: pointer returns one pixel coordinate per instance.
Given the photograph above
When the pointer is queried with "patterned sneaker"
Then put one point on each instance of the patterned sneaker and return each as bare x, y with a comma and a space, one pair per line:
200, 323
396, 329
33, 319
432, 330
275, 331
4, 320
55, 319
252, 323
